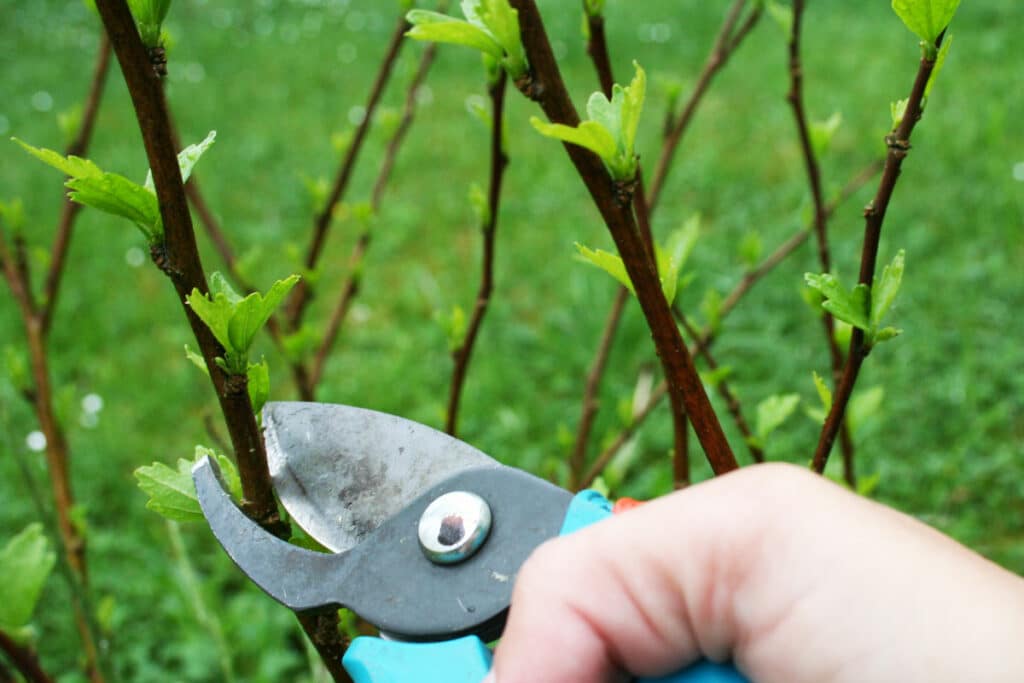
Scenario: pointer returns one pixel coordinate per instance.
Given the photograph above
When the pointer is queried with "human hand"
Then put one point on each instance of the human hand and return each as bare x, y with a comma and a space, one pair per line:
792, 577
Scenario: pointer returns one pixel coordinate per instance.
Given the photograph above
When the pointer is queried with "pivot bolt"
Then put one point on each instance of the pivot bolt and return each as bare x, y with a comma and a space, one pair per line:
454, 526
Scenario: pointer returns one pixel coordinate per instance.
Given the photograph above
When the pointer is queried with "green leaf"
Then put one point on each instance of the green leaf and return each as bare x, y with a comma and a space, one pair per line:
215, 313
220, 285
25, 563
781, 15
886, 287
108, 192
867, 485
674, 255
589, 134
455, 327
252, 313
478, 200
822, 132
632, 107
258, 384
711, 309
608, 262
73, 166
773, 411
926, 18
196, 359
118, 196
503, 23
187, 159
440, 28
594, 8
940, 61
897, 110
172, 493
750, 249
846, 305
149, 16
864, 405
824, 393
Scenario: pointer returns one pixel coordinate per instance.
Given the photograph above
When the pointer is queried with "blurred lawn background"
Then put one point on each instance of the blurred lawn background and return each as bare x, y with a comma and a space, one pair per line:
277, 79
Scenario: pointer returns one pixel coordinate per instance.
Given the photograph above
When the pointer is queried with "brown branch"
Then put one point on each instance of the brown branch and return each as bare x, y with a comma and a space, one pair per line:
545, 86
874, 215
56, 451
69, 209
725, 44
350, 289
24, 660
732, 402
597, 48
723, 48
461, 356
707, 335
301, 294
179, 258
795, 97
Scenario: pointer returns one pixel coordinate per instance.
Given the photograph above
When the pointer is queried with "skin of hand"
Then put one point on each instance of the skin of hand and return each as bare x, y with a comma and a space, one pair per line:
792, 577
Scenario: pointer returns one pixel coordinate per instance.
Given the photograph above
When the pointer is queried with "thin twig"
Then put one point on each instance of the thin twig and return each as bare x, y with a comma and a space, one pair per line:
795, 97
350, 288
69, 209
874, 215
545, 86
597, 49
725, 44
300, 296
24, 660
499, 160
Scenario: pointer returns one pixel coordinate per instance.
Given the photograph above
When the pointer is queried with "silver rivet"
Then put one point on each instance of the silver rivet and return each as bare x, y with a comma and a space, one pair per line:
454, 526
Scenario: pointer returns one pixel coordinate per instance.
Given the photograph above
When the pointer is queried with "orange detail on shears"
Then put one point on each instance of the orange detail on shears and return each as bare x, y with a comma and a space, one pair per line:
623, 504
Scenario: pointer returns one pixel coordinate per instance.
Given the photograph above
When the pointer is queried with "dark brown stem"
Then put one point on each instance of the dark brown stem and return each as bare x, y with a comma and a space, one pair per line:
732, 402
686, 391
69, 209
795, 97
300, 296
597, 48
461, 356
874, 215
180, 261
351, 286
725, 44
707, 335
24, 660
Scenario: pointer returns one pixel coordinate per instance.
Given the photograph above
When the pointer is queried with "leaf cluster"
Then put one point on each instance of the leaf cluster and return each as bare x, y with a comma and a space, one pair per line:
25, 563
171, 491
235, 320
490, 26
610, 129
860, 307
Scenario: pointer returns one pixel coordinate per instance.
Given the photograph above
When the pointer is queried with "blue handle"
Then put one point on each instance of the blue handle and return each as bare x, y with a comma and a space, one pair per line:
467, 660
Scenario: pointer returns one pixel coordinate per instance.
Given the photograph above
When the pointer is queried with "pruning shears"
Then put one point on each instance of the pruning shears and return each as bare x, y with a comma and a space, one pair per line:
426, 535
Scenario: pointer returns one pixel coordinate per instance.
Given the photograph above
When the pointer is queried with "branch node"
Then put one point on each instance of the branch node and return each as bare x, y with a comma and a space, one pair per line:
158, 253
236, 385
158, 58
624, 191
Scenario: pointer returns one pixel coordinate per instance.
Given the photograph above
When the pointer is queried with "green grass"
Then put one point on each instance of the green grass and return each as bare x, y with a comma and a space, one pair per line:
275, 80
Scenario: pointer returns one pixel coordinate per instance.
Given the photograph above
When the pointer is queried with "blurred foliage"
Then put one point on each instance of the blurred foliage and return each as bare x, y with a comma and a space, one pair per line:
279, 80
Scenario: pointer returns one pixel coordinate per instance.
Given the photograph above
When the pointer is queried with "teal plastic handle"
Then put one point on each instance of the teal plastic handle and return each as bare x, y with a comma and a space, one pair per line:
467, 660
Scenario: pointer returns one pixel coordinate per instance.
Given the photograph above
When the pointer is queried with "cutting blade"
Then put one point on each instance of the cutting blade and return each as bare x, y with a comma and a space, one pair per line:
342, 471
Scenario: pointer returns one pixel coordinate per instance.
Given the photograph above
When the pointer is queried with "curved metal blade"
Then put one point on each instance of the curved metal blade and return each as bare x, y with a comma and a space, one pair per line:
298, 578
342, 471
